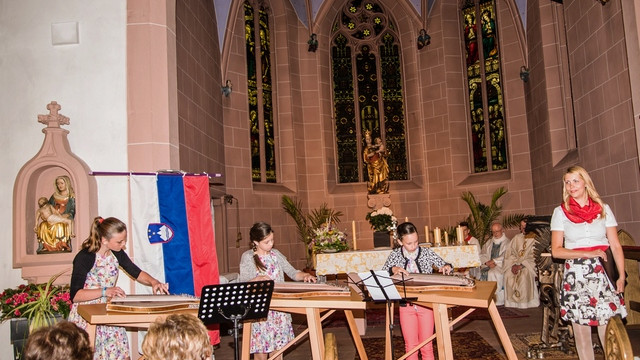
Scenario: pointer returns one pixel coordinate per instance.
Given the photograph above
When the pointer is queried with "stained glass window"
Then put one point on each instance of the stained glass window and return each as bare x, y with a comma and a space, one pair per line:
259, 92
367, 89
482, 53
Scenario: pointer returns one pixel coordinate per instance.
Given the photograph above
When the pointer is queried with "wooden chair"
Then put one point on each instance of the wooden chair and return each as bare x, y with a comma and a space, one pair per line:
621, 342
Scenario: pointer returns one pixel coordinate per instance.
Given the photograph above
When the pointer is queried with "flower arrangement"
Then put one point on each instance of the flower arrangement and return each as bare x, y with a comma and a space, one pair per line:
39, 303
328, 238
381, 219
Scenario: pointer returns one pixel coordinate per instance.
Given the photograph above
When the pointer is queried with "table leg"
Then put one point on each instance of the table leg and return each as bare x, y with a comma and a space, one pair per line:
443, 335
388, 336
502, 332
91, 330
355, 334
316, 339
246, 341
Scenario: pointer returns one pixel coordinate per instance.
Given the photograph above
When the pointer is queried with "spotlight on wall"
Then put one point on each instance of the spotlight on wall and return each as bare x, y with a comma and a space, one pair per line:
227, 88
603, 2
524, 73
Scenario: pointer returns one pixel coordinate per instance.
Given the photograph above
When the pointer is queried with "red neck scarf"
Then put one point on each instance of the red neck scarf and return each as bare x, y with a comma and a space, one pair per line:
468, 238
578, 214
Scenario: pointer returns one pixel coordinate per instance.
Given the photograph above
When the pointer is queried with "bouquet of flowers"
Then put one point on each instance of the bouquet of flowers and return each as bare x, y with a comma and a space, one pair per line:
381, 219
328, 238
36, 302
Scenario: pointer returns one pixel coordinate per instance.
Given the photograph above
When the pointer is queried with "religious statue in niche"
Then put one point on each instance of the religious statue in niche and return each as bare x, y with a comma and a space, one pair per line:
375, 156
313, 43
54, 218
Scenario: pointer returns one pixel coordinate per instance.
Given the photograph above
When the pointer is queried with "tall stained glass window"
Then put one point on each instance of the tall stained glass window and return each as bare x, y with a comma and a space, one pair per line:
258, 50
486, 106
367, 89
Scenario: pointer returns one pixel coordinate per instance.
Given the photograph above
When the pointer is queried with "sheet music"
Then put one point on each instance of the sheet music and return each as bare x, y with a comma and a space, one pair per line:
385, 286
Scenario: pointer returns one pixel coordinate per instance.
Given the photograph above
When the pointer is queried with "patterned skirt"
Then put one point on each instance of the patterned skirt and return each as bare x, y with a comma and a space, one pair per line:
588, 297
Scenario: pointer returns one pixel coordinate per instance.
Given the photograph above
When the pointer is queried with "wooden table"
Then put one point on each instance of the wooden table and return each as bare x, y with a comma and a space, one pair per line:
313, 307
96, 314
439, 301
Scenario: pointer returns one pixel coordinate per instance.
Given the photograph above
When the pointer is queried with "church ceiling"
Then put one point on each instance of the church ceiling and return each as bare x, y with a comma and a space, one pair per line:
307, 10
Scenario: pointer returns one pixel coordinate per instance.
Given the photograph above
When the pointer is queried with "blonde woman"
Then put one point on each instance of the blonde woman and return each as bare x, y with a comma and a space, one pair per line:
582, 229
178, 337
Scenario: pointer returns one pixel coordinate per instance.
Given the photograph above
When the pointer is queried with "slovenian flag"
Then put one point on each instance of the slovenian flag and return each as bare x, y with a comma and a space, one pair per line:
172, 232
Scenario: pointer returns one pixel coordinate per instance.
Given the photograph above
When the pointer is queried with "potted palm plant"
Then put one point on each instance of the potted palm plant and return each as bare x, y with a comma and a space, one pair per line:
307, 223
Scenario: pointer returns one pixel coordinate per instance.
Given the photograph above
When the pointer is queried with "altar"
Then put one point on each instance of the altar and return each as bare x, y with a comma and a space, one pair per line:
345, 262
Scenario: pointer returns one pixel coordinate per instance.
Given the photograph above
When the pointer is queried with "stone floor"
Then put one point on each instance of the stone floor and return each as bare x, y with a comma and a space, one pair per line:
346, 349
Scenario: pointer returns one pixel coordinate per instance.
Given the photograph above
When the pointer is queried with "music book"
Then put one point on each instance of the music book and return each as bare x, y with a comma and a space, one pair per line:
380, 286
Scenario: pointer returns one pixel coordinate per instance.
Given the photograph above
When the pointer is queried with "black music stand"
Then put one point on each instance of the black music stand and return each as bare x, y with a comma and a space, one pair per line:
378, 287
235, 302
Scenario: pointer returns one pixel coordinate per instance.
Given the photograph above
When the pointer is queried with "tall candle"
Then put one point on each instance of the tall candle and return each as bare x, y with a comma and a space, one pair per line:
446, 239
436, 236
426, 233
459, 235
353, 230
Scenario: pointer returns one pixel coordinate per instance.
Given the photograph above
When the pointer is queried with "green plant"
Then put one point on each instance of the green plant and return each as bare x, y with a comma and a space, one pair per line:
381, 219
482, 216
39, 303
307, 222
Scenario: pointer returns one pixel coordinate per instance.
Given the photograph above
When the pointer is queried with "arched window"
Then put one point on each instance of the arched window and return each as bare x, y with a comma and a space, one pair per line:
367, 89
259, 92
486, 106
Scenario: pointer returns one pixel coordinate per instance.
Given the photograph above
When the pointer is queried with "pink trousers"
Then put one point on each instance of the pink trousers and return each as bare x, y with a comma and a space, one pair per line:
417, 325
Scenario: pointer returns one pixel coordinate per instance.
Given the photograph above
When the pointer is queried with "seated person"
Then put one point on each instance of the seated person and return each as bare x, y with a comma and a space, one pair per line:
492, 258
61, 341
470, 240
178, 337
520, 272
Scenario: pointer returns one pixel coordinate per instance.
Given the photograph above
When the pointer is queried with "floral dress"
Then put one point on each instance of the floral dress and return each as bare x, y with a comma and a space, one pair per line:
111, 341
274, 333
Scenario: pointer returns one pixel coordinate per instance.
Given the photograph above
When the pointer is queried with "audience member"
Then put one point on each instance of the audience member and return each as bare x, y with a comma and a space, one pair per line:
520, 271
178, 337
492, 259
61, 341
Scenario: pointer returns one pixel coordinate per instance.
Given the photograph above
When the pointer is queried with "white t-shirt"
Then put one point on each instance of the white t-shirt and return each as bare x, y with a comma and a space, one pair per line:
583, 234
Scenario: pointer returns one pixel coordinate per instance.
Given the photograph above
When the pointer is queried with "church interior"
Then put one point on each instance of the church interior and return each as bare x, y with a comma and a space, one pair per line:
277, 97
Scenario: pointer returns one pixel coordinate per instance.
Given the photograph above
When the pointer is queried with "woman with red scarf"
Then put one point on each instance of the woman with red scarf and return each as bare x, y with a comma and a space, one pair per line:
582, 229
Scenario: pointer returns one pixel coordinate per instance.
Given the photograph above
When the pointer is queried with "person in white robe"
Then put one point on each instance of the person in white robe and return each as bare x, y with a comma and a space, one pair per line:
492, 260
520, 272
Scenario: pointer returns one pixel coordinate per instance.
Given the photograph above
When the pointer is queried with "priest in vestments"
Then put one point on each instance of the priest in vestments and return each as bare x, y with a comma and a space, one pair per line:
492, 260
520, 286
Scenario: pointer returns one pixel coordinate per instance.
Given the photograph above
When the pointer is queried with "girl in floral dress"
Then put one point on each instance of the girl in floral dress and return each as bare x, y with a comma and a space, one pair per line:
93, 280
263, 263
582, 228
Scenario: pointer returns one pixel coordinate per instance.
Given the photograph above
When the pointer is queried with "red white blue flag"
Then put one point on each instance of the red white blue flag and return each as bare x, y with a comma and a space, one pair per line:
172, 232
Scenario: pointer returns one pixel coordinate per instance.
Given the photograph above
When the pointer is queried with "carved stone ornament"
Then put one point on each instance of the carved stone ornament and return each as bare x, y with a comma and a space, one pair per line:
62, 178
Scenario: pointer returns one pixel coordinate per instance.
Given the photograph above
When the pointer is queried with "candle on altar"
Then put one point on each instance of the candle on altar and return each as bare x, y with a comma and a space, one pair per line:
446, 239
459, 235
426, 234
406, 219
353, 230
436, 236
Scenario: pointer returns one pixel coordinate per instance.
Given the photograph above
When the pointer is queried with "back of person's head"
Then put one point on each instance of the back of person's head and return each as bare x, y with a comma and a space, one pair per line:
178, 337
62, 341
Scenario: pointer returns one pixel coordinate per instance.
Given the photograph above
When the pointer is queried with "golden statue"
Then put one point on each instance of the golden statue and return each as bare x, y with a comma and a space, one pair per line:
375, 156
54, 231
